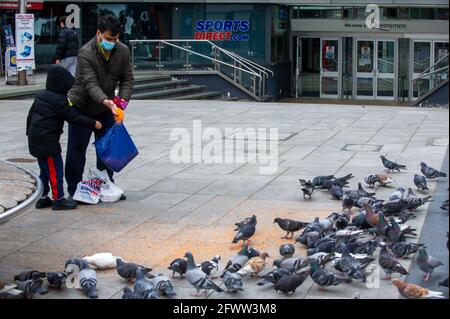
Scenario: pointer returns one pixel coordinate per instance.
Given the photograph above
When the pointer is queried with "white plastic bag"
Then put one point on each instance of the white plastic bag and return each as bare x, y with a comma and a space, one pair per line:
109, 191
88, 191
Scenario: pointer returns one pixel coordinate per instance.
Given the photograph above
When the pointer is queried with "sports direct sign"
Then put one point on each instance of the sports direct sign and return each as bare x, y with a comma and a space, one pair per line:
222, 30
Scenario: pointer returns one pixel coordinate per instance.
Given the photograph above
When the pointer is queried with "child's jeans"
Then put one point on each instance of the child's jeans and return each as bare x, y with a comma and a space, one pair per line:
52, 172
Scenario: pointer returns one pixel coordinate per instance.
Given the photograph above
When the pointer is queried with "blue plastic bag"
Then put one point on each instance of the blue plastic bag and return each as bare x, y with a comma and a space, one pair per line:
116, 148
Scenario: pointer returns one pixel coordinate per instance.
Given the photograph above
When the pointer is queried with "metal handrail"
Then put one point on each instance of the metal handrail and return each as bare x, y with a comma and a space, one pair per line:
240, 64
432, 67
445, 68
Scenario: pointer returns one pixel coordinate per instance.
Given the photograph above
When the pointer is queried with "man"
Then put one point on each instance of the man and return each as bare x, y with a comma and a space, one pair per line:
103, 62
67, 48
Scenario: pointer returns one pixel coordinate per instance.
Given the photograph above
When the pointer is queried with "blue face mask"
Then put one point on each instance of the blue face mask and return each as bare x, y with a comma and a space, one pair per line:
108, 46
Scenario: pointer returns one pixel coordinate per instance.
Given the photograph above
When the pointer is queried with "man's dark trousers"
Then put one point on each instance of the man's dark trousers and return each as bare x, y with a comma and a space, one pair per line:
77, 144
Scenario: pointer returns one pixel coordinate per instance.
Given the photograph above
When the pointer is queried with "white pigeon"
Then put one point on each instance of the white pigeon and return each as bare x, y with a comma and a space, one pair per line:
102, 261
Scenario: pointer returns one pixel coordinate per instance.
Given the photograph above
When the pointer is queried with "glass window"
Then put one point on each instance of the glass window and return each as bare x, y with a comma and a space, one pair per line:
442, 14
389, 13
422, 13
320, 12
348, 13
403, 13
279, 34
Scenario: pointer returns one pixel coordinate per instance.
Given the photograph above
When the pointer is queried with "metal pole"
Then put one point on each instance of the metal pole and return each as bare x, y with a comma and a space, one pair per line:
22, 75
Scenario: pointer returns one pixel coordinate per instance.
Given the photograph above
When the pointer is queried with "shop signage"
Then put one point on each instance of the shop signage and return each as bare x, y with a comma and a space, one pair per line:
10, 62
25, 42
9, 36
222, 30
11, 5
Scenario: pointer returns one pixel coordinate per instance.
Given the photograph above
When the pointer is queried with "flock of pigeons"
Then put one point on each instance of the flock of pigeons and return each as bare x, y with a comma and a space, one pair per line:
339, 249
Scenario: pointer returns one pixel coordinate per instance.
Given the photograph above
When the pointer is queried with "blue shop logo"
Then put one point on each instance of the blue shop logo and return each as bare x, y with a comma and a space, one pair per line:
222, 30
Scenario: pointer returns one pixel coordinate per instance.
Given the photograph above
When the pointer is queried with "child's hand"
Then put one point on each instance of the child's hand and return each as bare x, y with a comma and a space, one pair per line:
98, 125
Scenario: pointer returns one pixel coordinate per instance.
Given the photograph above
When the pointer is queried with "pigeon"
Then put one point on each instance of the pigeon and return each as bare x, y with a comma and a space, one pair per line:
128, 270
430, 172
420, 182
382, 179
163, 285
398, 194
389, 262
327, 223
444, 205
178, 266
102, 261
272, 277
342, 221
30, 287
197, 278
88, 281
128, 293
29, 274
411, 291
210, 267
319, 181
56, 279
233, 282
291, 282
292, 264
246, 231
403, 249
394, 207
287, 250
254, 266
74, 263
363, 193
324, 277
307, 188
370, 216
325, 245
444, 283
391, 166
144, 286
348, 203
413, 202
351, 266
336, 191
321, 258
289, 226
244, 222
342, 181
240, 259
427, 263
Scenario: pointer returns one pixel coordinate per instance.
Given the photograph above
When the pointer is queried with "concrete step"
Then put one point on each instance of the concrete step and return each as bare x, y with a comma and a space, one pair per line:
170, 93
200, 96
153, 86
139, 79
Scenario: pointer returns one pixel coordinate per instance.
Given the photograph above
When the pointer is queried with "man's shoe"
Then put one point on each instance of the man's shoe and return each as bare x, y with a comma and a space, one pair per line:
65, 204
44, 203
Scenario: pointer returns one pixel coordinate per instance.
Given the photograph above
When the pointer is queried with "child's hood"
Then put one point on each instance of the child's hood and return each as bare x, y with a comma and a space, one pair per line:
59, 79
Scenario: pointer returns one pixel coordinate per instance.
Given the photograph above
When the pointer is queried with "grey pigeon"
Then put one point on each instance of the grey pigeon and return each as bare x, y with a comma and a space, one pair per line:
389, 262
144, 286
319, 181
291, 282
244, 222
197, 278
74, 262
307, 188
240, 259
56, 279
289, 226
390, 165
30, 274
349, 265
336, 191
398, 194
292, 264
363, 193
341, 181
414, 202
30, 287
444, 283
128, 270
287, 250
445, 205
420, 182
88, 281
178, 266
324, 277
163, 285
128, 293
348, 203
210, 267
403, 249
321, 258
233, 282
427, 263
429, 172
273, 276
246, 231
342, 221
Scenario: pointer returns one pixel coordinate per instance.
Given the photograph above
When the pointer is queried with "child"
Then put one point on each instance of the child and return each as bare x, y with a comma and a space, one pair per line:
44, 128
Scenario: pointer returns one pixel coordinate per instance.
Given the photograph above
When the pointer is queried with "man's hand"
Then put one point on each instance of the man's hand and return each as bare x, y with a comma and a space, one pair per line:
110, 105
98, 125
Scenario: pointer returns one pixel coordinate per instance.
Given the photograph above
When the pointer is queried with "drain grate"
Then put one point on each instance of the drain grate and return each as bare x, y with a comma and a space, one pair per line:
362, 148
21, 160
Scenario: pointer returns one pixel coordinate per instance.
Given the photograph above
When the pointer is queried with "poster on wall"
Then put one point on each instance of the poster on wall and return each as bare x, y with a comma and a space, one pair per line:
365, 56
25, 42
329, 52
9, 37
442, 53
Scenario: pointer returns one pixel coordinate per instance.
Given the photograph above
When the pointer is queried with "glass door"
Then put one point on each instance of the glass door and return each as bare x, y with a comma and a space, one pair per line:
365, 69
422, 61
385, 69
329, 68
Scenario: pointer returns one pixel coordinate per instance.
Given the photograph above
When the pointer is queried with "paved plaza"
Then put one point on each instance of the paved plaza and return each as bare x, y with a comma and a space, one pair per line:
174, 208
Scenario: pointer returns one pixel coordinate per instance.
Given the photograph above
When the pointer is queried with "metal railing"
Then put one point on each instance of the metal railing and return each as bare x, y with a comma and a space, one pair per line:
431, 78
194, 56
